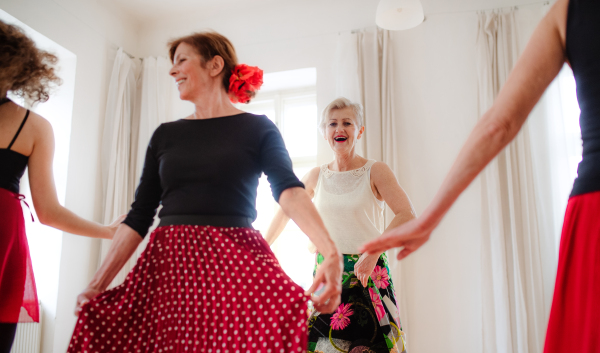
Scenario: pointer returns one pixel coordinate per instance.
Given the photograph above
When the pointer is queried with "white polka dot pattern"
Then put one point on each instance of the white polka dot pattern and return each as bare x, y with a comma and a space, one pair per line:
198, 289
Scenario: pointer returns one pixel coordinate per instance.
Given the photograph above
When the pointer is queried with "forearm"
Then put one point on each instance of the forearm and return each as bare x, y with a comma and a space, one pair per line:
62, 218
124, 243
296, 203
277, 226
487, 139
541, 61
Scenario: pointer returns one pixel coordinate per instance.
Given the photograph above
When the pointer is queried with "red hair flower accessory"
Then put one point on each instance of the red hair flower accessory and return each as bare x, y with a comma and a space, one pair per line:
244, 82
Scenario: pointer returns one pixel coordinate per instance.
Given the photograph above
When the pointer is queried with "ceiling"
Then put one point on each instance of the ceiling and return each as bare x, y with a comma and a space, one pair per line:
147, 10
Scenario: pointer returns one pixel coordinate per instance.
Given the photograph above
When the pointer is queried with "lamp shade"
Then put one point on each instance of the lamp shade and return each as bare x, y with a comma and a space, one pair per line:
399, 14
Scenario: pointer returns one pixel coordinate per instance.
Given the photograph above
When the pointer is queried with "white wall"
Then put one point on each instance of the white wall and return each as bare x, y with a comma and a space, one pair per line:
91, 33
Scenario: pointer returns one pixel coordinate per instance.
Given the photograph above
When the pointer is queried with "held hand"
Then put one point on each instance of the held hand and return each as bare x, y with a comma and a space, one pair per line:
364, 267
410, 235
330, 275
112, 228
85, 296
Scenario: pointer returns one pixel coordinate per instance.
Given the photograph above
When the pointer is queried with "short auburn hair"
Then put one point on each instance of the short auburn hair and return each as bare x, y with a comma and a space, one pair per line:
209, 45
25, 70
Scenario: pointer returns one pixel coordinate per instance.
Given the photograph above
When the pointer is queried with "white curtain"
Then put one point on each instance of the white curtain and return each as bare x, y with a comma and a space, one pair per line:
116, 141
517, 253
157, 88
132, 115
364, 68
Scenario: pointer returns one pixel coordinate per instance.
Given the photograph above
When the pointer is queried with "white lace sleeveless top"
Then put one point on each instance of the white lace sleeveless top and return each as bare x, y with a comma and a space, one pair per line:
350, 211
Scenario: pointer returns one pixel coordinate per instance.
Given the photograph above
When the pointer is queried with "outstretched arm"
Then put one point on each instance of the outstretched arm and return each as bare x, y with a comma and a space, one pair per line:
43, 191
536, 68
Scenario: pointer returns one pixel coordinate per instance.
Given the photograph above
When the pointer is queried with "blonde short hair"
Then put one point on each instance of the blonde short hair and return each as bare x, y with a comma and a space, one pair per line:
341, 103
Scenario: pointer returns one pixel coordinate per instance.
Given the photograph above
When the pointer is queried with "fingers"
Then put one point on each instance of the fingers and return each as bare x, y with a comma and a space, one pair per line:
363, 278
381, 244
80, 303
316, 282
403, 253
329, 300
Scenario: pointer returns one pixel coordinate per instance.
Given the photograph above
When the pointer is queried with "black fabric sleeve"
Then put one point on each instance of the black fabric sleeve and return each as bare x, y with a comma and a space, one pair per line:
275, 161
148, 193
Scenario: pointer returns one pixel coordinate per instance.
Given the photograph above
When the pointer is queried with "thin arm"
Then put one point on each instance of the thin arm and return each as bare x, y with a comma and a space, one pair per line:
43, 191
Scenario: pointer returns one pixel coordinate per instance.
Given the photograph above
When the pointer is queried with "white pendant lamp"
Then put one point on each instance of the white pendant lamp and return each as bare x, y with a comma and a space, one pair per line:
399, 14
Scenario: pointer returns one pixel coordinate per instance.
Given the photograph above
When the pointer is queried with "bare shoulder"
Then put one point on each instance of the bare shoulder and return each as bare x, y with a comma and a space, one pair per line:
381, 170
42, 135
41, 127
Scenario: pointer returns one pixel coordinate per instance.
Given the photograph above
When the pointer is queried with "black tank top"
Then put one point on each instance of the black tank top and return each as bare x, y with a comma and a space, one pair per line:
583, 51
12, 164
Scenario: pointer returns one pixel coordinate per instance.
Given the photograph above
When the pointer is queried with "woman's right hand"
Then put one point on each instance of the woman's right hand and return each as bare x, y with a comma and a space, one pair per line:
410, 236
111, 229
85, 296
329, 274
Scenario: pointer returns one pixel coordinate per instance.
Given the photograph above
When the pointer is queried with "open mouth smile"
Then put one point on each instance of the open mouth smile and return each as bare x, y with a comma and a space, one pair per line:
340, 139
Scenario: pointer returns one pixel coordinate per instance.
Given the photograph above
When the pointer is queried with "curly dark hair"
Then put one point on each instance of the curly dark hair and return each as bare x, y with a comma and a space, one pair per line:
25, 70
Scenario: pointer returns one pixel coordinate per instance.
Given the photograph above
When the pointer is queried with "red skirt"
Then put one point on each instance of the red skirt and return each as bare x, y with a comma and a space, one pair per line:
198, 289
18, 296
574, 324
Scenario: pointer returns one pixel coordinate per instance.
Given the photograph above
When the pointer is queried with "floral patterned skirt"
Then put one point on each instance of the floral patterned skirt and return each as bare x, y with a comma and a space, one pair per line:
198, 289
367, 320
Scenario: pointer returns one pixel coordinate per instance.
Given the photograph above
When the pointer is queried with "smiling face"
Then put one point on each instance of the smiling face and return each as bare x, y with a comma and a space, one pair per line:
342, 130
193, 77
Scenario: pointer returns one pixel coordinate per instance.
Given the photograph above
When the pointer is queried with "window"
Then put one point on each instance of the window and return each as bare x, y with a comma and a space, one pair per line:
294, 111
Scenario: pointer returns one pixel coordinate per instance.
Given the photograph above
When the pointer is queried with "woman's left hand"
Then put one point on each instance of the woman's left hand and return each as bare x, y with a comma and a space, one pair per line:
364, 267
85, 296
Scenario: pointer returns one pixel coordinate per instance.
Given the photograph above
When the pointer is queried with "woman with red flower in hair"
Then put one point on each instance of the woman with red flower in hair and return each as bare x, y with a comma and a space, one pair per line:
207, 281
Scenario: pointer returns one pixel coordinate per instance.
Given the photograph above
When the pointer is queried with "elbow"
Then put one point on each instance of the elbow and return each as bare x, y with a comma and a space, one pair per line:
500, 130
290, 194
44, 218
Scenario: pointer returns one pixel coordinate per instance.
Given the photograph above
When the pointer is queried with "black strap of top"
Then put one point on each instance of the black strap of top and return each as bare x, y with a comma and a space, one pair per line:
18, 131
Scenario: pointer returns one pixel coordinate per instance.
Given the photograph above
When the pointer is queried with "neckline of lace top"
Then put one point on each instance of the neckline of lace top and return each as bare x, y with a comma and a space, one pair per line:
328, 173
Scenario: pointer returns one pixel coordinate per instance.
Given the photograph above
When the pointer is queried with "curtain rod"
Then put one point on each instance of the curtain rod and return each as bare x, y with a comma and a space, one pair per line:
546, 2
126, 53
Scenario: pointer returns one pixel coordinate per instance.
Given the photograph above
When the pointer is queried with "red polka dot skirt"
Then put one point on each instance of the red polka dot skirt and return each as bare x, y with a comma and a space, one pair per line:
198, 289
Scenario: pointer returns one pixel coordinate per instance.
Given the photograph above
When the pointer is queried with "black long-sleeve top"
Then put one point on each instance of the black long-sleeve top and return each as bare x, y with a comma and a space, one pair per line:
583, 51
210, 167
